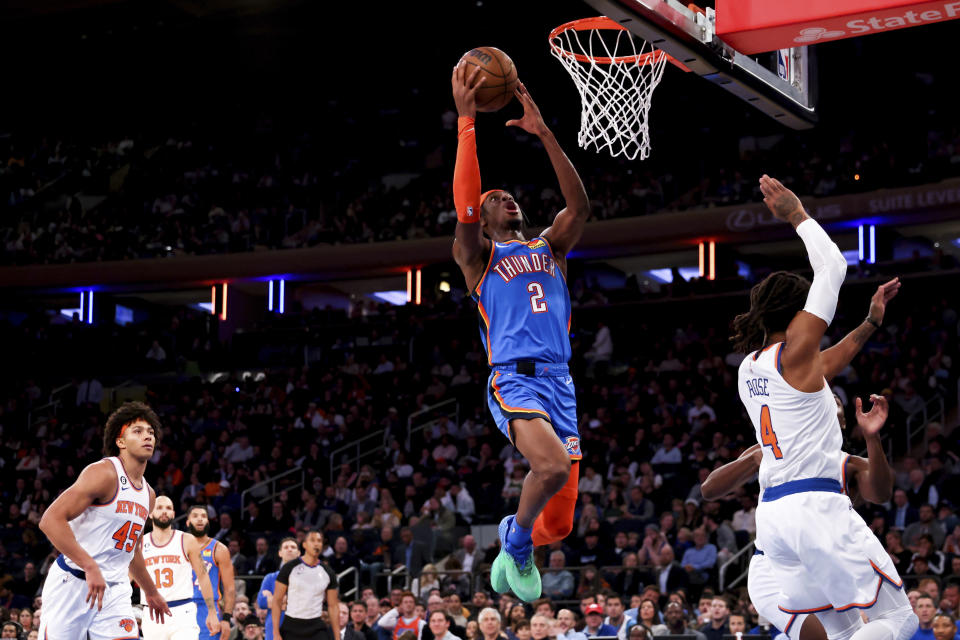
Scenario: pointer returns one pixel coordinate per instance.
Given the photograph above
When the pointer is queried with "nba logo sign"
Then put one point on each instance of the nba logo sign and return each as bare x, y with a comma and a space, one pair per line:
783, 64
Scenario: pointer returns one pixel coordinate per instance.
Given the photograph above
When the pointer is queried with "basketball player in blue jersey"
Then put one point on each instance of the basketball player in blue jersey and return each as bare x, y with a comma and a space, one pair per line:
524, 306
217, 559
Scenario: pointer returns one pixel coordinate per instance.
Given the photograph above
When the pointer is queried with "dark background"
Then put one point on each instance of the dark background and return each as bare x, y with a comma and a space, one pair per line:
368, 75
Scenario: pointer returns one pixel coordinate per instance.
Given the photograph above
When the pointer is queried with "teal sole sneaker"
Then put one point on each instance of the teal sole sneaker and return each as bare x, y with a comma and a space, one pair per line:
498, 572
524, 578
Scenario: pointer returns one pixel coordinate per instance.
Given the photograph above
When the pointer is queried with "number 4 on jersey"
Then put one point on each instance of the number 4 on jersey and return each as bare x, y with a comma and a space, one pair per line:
767, 436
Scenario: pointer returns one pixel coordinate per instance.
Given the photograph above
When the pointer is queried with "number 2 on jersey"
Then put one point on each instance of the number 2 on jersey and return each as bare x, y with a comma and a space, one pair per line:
767, 436
129, 531
537, 303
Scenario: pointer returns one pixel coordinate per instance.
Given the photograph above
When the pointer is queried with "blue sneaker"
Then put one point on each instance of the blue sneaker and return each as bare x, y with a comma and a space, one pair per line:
522, 573
498, 572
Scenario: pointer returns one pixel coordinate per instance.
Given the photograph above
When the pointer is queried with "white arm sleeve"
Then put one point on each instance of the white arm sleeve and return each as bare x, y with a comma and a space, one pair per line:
389, 619
829, 270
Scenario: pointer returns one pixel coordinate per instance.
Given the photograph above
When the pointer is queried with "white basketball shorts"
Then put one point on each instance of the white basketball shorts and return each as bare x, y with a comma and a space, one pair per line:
67, 617
822, 553
182, 625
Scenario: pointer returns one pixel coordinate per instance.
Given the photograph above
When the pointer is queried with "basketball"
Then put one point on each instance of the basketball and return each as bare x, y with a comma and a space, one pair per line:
500, 73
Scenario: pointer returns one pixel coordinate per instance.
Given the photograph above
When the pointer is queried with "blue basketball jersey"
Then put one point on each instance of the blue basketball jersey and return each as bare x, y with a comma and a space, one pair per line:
206, 554
524, 304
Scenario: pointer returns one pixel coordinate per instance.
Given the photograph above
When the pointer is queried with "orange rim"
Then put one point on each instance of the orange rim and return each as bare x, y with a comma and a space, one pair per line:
603, 22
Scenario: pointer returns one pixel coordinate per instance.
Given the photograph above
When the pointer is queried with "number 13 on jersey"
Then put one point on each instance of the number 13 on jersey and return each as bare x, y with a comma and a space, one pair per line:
768, 437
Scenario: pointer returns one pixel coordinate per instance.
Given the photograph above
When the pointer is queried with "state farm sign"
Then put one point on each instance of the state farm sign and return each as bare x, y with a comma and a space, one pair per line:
753, 26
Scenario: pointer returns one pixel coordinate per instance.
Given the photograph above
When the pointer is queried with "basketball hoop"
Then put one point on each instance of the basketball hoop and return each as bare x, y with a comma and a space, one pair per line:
615, 73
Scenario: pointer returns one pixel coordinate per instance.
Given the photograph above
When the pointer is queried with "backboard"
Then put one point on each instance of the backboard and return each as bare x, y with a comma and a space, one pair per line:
783, 86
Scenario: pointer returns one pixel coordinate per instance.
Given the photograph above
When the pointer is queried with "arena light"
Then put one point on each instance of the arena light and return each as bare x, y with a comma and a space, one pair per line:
868, 243
708, 260
277, 303
397, 298
409, 285
83, 306
663, 275
444, 286
90, 306
223, 302
418, 286
213, 300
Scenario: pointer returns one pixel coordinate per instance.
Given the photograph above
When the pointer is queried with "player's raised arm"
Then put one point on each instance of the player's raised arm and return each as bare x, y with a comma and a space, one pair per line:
802, 364
192, 549
732, 475
567, 227
837, 357
874, 475
470, 248
96, 484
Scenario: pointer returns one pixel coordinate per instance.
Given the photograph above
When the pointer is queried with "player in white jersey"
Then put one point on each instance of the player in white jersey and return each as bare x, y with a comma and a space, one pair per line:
96, 525
805, 524
869, 478
172, 558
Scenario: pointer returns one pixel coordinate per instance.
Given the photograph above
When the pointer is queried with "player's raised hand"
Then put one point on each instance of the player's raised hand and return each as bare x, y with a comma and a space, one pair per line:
783, 203
878, 303
96, 586
532, 121
465, 84
870, 423
158, 606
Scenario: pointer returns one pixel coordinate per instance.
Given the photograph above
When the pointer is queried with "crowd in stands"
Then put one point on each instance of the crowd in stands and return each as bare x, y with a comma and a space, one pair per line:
202, 193
658, 407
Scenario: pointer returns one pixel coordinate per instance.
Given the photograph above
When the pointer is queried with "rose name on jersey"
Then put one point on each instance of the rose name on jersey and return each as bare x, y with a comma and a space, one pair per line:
511, 266
125, 506
163, 560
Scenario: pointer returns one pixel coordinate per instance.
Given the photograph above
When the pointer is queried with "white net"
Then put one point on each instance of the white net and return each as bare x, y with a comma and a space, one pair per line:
615, 73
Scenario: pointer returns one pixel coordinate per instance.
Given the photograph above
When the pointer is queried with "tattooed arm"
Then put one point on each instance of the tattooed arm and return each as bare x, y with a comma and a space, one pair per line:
837, 357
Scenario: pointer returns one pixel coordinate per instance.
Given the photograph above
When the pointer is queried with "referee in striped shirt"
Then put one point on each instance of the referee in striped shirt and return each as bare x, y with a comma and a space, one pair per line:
304, 582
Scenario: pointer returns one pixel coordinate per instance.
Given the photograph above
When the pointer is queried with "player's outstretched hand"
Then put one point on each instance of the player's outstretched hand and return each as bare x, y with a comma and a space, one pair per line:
96, 586
783, 203
870, 423
878, 303
532, 121
158, 606
465, 84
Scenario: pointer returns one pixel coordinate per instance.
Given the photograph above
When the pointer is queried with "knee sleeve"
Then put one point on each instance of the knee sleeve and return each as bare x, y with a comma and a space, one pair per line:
555, 522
